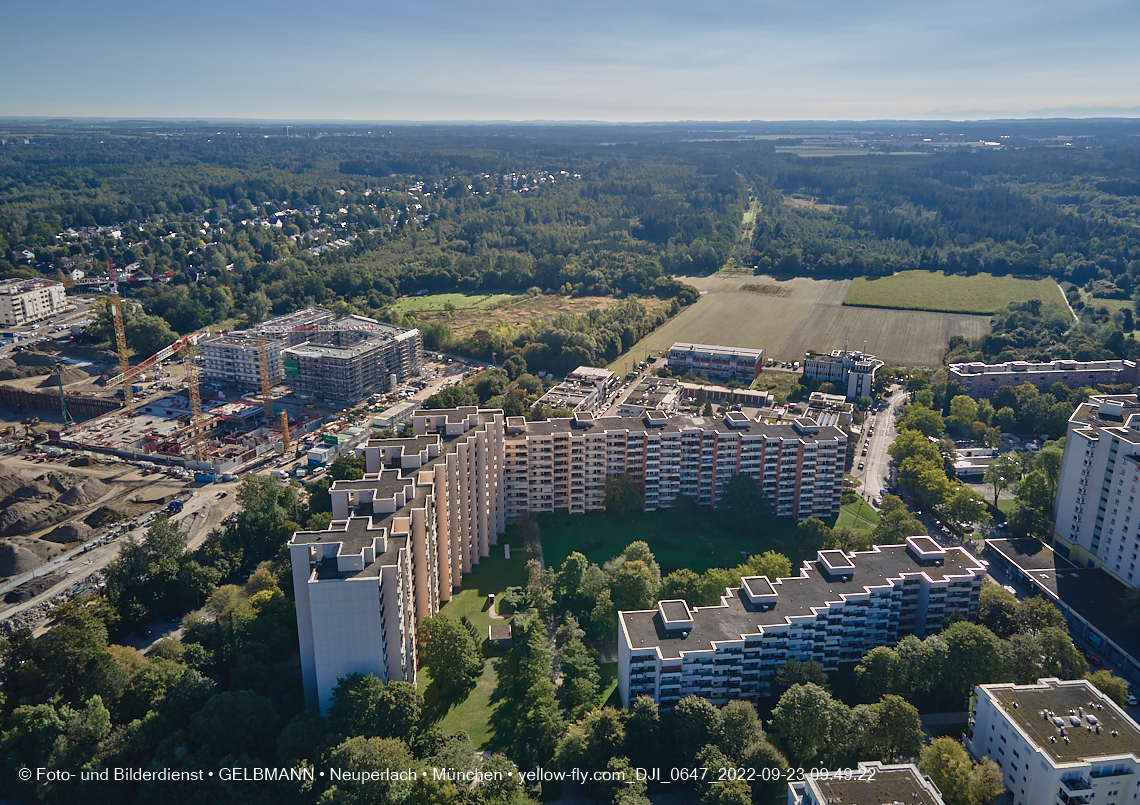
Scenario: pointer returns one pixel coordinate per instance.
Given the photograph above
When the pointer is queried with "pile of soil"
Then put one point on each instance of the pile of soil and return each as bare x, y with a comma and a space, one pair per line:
9, 483
30, 358
30, 515
82, 461
70, 532
69, 374
87, 491
103, 516
15, 559
10, 370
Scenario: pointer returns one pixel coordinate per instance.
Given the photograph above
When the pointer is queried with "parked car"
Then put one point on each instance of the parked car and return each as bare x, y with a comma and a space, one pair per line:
1094, 661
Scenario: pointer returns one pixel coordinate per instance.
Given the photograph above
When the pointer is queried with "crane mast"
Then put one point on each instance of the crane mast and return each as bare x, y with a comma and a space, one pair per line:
120, 335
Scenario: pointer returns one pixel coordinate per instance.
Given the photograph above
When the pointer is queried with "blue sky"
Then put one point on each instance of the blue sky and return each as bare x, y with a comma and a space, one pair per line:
623, 60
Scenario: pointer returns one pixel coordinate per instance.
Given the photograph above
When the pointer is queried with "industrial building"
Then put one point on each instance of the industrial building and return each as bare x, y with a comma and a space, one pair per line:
853, 373
1057, 742
731, 363
26, 301
433, 504
870, 783
1096, 489
983, 379
838, 608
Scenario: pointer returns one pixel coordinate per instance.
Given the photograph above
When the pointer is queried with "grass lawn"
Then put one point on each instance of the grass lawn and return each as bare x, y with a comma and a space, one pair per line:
471, 714
778, 384
436, 301
950, 293
1006, 505
860, 516
677, 539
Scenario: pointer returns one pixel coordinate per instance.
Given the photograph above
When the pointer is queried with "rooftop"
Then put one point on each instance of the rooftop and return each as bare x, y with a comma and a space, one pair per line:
682, 422
1092, 593
354, 535
717, 348
796, 596
1035, 709
875, 785
1107, 411
979, 368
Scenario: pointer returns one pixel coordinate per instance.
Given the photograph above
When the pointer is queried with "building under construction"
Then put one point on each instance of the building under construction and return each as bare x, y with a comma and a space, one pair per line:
347, 365
342, 361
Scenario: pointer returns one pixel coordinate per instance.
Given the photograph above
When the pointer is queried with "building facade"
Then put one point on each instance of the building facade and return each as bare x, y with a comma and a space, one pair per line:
1057, 743
583, 390
562, 464
348, 366
870, 783
233, 359
28, 301
732, 363
1096, 503
838, 608
983, 379
852, 372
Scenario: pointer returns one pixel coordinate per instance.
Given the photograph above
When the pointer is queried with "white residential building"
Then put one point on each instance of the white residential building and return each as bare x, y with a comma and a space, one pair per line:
28, 301
1057, 743
838, 608
983, 379
853, 373
1096, 514
716, 361
870, 783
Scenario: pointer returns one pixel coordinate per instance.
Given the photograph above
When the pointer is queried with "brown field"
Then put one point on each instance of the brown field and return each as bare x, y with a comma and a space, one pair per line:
810, 315
465, 321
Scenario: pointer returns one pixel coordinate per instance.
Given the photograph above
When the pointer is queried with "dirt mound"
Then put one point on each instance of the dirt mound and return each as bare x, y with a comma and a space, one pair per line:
70, 374
20, 372
30, 515
70, 532
82, 461
15, 560
102, 516
59, 481
86, 491
29, 358
9, 483
36, 490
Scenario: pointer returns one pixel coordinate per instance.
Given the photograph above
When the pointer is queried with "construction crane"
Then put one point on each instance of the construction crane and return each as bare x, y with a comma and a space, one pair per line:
285, 428
68, 419
266, 386
195, 404
120, 335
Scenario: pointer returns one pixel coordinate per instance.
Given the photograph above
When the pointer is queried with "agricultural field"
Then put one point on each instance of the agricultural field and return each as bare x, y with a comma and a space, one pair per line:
440, 301
803, 314
949, 293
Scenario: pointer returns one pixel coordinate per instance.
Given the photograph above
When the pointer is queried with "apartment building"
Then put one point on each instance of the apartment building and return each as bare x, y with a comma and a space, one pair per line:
870, 783
852, 372
1096, 492
428, 509
583, 390
732, 363
28, 301
562, 464
838, 608
349, 365
1057, 743
233, 359
983, 379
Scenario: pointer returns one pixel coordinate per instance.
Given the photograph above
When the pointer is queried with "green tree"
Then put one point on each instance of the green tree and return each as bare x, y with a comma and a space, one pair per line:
898, 731
622, 496
595, 740
1033, 492
347, 468
633, 586
975, 657
879, 673
961, 781
1049, 464
965, 506
367, 756
804, 719
1111, 686
794, 672
922, 419
681, 584
452, 397
963, 411
812, 535
450, 653
1037, 613
697, 723
743, 503
740, 728
896, 522
1001, 474
997, 610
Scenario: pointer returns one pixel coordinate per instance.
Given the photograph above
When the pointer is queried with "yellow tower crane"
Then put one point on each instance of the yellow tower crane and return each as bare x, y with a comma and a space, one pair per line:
120, 336
266, 386
196, 417
285, 428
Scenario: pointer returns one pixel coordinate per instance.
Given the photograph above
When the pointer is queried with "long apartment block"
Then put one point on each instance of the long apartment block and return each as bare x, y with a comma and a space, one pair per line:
983, 379
1057, 743
562, 464
714, 360
838, 608
432, 505
1096, 515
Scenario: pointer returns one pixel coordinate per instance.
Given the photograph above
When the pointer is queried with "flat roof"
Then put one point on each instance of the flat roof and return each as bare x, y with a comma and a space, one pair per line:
354, 534
717, 348
1084, 700
676, 423
883, 787
1091, 593
796, 596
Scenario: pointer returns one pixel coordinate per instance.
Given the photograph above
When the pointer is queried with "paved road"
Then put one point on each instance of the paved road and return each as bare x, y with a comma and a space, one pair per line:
876, 464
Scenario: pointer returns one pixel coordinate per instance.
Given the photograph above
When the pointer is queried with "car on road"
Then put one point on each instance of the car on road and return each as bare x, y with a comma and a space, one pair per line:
860, 465
1094, 661
1131, 699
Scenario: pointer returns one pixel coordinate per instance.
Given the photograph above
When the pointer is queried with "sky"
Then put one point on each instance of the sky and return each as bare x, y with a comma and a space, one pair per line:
621, 60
